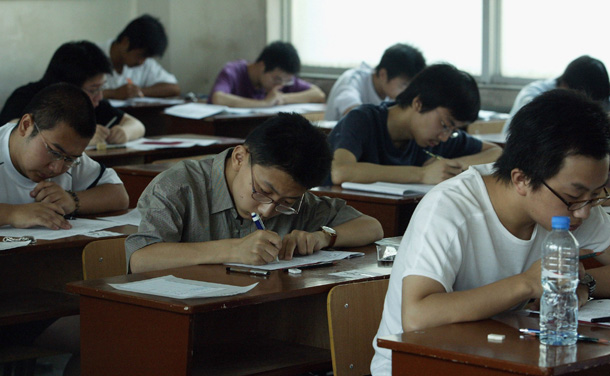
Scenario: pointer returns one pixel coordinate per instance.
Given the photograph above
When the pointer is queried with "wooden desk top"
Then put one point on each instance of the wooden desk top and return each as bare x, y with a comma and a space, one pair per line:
466, 343
113, 157
280, 285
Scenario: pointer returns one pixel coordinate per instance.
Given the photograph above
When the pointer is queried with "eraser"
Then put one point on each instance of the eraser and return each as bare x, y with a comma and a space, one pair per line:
294, 271
495, 337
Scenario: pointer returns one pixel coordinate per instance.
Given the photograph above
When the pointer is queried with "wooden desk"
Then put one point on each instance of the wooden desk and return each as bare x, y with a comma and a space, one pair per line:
463, 349
279, 327
227, 125
126, 156
33, 280
393, 212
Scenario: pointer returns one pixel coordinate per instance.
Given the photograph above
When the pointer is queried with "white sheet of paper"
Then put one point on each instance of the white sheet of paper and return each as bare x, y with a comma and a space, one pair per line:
80, 226
167, 142
319, 256
194, 110
10, 245
595, 308
389, 188
132, 218
355, 274
179, 288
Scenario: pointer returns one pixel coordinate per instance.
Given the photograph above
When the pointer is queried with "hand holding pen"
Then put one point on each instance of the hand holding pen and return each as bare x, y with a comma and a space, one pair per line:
261, 226
437, 169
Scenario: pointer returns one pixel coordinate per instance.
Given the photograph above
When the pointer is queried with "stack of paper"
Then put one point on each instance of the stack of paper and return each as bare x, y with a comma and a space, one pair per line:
390, 188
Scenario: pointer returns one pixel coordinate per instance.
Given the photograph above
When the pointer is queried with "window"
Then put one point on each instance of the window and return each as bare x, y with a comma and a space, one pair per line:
511, 41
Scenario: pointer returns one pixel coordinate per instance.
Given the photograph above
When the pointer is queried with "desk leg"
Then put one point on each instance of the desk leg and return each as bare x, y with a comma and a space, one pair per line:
123, 339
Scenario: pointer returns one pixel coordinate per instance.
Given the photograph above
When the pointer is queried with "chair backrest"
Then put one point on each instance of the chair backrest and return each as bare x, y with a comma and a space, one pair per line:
104, 258
354, 313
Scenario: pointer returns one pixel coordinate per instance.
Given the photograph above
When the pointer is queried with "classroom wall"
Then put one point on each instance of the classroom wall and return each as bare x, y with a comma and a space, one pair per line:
203, 34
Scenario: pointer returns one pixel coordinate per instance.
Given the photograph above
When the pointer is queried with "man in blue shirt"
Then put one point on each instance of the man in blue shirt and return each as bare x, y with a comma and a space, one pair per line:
416, 139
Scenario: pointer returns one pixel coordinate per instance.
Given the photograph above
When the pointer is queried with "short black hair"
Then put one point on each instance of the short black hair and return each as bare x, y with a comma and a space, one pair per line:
588, 75
553, 126
401, 60
443, 85
281, 55
75, 63
65, 103
145, 32
292, 144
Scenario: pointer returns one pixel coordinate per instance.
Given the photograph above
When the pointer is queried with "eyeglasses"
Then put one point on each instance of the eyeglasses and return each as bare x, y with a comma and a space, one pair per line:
575, 205
264, 199
55, 155
445, 129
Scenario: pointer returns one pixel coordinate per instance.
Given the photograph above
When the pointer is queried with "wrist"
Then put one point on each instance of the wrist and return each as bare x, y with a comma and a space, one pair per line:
330, 235
590, 283
76, 201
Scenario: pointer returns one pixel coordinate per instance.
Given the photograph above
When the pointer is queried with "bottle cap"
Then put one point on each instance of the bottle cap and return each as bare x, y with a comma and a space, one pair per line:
562, 223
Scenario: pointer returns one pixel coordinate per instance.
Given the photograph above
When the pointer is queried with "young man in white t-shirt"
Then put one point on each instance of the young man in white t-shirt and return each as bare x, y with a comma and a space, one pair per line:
364, 85
44, 173
472, 247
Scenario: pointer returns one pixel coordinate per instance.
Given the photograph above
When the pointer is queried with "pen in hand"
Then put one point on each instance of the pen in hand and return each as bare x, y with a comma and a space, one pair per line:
590, 255
433, 155
260, 225
110, 122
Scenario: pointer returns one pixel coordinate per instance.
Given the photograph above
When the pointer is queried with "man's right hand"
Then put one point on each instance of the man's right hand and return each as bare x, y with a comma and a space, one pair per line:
258, 248
436, 171
44, 214
275, 97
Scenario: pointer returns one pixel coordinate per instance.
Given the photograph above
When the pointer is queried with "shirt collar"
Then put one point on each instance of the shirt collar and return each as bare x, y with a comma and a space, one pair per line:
221, 196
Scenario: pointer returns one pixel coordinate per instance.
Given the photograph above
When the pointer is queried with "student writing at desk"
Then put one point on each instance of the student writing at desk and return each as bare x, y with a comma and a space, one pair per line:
398, 65
84, 65
44, 174
135, 71
269, 81
584, 74
199, 212
472, 248
389, 142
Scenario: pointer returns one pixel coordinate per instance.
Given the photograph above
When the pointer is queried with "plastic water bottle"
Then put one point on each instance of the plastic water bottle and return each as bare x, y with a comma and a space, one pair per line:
559, 303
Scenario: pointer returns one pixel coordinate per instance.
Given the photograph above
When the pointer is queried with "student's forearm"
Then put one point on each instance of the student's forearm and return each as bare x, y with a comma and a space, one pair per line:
103, 198
359, 231
362, 172
225, 99
485, 156
5, 214
161, 90
602, 279
311, 95
132, 127
462, 306
173, 255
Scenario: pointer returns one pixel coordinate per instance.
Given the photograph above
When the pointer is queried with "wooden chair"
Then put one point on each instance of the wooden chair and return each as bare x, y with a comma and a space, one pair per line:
354, 312
104, 258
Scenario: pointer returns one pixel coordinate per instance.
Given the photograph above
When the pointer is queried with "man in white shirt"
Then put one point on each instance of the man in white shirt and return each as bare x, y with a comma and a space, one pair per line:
472, 247
44, 174
135, 72
398, 65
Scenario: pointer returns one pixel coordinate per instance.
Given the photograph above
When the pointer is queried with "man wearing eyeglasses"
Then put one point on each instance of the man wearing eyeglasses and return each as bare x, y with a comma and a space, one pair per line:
415, 139
474, 241
199, 212
269, 81
44, 174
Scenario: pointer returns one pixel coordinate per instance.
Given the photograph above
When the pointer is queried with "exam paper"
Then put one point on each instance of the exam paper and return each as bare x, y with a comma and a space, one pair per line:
317, 257
194, 110
594, 308
80, 226
10, 245
179, 288
132, 218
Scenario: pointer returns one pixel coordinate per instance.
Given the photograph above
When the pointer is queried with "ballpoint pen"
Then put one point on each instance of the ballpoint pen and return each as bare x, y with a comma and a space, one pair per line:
110, 122
234, 269
260, 225
589, 255
580, 337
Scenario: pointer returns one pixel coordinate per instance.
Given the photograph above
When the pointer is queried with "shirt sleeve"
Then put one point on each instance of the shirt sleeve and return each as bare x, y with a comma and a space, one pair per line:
155, 74
352, 132
347, 96
89, 174
105, 112
297, 86
224, 82
464, 144
14, 106
593, 233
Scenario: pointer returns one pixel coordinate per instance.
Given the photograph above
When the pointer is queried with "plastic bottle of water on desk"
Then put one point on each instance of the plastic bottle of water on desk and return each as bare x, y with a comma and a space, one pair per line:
559, 303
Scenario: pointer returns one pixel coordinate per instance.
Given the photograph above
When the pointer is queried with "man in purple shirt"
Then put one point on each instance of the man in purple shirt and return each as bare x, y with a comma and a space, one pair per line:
269, 81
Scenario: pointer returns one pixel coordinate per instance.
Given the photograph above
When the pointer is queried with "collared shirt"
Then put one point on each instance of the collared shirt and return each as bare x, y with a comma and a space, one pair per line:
191, 202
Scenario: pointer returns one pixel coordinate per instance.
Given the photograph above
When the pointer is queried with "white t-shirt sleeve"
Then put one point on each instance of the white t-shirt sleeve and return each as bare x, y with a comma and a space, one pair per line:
88, 171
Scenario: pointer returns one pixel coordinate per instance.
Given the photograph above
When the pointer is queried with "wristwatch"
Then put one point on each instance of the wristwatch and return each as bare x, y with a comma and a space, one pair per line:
330, 232
590, 282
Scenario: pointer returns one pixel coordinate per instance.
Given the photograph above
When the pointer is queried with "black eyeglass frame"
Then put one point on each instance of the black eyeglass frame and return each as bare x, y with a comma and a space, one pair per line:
592, 201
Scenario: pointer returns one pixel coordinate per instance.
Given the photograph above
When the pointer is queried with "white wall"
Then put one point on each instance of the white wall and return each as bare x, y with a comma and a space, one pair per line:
203, 34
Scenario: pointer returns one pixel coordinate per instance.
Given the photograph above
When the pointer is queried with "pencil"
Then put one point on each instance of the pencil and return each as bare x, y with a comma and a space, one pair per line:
433, 155
110, 122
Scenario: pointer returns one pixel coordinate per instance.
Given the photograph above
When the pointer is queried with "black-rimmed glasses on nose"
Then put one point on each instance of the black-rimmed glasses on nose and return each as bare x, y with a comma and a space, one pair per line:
575, 205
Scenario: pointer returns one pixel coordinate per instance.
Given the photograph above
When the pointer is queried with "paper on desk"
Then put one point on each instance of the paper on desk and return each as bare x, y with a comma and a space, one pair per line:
10, 245
80, 226
144, 100
595, 308
179, 288
133, 217
498, 138
299, 108
168, 142
194, 110
356, 274
390, 188
317, 257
